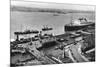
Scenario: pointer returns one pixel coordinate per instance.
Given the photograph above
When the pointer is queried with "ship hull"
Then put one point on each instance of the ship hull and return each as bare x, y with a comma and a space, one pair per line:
77, 27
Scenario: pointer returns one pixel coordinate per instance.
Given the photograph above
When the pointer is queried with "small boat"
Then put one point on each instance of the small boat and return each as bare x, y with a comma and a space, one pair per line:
47, 28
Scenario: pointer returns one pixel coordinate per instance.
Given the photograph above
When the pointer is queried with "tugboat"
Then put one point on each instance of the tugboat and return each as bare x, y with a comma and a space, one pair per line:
79, 24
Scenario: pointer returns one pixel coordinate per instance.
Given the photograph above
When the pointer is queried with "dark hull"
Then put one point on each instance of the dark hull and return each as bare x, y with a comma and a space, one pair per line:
46, 29
77, 27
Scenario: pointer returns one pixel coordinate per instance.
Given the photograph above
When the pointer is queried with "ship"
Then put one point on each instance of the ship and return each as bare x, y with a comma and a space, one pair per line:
26, 32
46, 28
79, 24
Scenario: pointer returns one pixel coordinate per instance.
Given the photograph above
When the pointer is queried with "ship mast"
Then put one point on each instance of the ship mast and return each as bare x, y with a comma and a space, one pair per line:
71, 18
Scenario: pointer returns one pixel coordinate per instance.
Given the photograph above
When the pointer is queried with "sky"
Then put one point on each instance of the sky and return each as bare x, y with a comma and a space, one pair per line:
29, 3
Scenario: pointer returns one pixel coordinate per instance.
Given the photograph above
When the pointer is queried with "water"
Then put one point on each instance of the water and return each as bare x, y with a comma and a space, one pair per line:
35, 20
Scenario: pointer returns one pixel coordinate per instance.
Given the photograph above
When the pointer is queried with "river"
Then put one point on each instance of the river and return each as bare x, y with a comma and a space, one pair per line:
35, 20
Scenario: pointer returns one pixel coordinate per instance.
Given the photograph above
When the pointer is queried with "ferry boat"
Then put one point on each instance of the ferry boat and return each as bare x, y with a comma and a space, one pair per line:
79, 24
